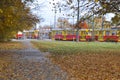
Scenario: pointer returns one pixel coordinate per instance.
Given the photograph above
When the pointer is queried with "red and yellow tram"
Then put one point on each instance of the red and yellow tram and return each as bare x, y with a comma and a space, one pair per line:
86, 35
33, 34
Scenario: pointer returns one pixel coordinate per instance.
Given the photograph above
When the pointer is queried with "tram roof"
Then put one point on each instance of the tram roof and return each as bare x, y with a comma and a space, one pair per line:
58, 29
55, 29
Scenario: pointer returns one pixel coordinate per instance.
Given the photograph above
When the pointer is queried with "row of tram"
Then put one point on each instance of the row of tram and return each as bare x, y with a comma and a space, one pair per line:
86, 35
33, 34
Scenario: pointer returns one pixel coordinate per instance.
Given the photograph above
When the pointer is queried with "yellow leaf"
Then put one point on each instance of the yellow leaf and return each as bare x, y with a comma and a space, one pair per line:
96, 0
1, 11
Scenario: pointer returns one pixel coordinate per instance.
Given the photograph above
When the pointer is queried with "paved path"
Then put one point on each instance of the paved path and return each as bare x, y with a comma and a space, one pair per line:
34, 65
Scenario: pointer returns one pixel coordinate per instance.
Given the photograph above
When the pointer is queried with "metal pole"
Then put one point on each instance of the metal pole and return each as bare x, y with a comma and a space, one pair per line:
78, 11
102, 22
102, 25
55, 17
39, 32
73, 21
77, 32
93, 36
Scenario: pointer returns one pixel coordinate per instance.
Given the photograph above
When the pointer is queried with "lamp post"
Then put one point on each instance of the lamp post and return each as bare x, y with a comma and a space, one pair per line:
78, 11
93, 35
102, 22
55, 16
73, 18
55, 6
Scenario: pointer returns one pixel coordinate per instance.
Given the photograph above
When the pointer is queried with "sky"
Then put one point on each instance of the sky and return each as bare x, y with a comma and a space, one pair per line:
44, 9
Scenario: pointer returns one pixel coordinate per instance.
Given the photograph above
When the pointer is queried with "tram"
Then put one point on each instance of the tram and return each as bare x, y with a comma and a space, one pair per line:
32, 34
86, 35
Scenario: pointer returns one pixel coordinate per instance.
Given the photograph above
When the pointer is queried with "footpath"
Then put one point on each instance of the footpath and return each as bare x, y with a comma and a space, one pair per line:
31, 64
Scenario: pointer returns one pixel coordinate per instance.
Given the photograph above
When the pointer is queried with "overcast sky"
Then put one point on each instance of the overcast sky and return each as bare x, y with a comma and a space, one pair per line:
43, 9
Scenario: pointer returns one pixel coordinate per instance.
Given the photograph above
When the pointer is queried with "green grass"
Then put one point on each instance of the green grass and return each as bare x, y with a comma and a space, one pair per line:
83, 59
64, 47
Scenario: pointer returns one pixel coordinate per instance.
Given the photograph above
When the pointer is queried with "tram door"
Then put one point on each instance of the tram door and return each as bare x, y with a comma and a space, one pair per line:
53, 35
64, 32
118, 34
100, 37
107, 33
96, 34
82, 35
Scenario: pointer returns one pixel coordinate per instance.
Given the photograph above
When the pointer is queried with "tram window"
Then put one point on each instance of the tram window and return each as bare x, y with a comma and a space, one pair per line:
46, 34
100, 32
74, 32
56, 32
69, 33
89, 33
83, 32
96, 33
60, 32
107, 33
113, 33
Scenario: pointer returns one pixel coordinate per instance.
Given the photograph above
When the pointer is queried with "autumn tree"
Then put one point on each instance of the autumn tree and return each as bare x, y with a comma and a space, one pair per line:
14, 16
85, 9
63, 23
116, 19
102, 7
95, 7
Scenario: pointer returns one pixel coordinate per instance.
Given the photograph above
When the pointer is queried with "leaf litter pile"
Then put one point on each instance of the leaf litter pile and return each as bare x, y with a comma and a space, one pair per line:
90, 66
85, 61
10, 45
6, 58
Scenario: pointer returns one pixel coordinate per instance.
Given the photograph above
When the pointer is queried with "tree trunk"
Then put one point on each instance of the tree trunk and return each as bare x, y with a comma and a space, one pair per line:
77, 35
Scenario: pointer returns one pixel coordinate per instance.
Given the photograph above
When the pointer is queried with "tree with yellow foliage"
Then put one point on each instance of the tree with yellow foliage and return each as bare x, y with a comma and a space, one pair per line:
14, 16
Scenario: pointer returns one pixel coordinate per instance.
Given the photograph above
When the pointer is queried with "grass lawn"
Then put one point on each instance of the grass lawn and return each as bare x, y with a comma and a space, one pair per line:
85, 60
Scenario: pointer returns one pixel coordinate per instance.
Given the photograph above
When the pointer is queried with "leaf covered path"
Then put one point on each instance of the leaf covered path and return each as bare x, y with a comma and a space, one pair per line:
30, 64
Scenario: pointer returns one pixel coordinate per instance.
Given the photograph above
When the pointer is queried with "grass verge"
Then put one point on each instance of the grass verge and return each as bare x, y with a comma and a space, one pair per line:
85, 60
